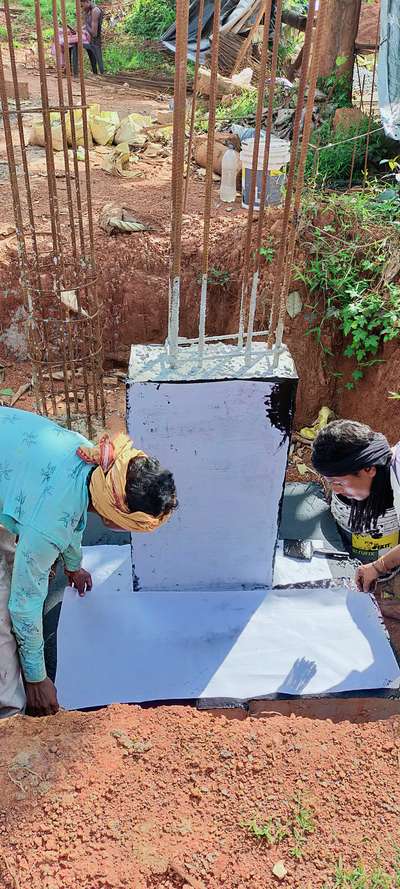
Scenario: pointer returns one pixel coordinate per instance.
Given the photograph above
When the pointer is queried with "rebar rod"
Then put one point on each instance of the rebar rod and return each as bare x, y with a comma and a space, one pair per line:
292, 169
68, 186
37, 377
96, 371
55, 222
264, 181
209, 173
254, 169
313, 75
178, 166
194, 99
371, 103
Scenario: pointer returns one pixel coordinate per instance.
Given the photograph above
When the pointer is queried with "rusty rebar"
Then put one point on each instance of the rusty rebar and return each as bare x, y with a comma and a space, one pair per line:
37, 378
213, 95
371, 103
55, 221
279, 273
254, 168
194, 99
97, 374
294, 222
178, 166
264, 180
57, 338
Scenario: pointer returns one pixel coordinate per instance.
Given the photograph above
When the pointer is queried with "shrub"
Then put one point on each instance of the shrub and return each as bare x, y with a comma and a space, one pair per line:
150, 18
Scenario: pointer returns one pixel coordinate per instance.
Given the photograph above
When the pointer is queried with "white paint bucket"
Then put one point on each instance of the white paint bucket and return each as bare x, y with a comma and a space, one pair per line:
279, 155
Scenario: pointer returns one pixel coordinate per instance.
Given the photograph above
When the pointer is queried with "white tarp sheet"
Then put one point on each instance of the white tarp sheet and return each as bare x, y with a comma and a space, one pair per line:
117, 645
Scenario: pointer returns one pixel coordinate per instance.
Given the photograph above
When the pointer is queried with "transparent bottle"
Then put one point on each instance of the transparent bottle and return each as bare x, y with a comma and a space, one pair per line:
230, 166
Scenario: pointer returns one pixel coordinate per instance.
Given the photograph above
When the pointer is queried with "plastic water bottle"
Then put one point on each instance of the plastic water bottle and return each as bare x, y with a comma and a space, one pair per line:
230, 166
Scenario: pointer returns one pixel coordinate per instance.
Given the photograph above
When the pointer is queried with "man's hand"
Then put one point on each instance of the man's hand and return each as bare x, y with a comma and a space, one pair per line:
366, 577
41, 698
80, 579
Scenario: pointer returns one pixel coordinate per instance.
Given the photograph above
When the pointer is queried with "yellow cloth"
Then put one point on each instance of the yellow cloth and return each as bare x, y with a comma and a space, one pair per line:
107, 484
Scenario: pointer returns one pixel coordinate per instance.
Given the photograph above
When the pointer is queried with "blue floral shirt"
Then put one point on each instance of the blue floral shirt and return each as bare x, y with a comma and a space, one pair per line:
44, 500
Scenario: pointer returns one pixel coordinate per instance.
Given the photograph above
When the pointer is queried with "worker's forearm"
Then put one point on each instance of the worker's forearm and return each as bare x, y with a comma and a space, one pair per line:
389, 561
28, 632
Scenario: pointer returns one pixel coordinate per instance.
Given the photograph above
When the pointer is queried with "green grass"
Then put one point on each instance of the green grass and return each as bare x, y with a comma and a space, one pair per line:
149, 19
330, 162
294, 828
46, 8
346, 269
359, 877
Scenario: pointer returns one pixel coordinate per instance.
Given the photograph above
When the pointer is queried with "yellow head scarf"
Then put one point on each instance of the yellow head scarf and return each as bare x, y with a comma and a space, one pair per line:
107, 484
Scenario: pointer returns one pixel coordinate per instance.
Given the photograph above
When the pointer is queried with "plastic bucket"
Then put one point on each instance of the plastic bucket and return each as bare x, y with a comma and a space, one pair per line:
279, 155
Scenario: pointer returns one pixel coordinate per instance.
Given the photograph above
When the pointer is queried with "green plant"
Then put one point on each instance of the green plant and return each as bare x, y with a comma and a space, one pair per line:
3, 33
345, 274
46, 9
333, 153
368, 319
239, 108
216, 276
359, 878
273, 831
150, 18
295, 828
302, 825
268, 253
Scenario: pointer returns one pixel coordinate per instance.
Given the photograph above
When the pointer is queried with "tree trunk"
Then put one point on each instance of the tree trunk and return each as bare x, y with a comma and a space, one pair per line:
339, 37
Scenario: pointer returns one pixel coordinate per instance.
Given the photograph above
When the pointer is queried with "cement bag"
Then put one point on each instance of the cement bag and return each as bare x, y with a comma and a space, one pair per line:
131, 129
103, 126
78, 121
37, 135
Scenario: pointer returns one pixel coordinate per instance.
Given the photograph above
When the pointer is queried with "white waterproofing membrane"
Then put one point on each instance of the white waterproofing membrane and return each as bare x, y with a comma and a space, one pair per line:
118, 645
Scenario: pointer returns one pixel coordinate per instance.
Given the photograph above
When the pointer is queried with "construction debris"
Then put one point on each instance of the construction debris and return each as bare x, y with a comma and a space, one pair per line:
114, 218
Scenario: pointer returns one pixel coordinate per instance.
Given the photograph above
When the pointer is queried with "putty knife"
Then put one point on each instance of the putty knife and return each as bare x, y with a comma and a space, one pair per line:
304, 550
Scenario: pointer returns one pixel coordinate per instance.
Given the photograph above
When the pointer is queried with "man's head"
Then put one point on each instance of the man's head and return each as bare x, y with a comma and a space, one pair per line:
129, 490
86, 5
335, 446
348, 455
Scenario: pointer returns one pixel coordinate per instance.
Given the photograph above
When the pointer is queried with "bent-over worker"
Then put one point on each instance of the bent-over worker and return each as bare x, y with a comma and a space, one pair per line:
49, 478
364, 472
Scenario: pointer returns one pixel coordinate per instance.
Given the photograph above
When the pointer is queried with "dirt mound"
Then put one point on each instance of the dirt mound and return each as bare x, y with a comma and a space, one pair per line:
161, 798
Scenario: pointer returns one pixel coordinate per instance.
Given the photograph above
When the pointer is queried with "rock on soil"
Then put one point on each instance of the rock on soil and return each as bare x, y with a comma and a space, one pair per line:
131, 798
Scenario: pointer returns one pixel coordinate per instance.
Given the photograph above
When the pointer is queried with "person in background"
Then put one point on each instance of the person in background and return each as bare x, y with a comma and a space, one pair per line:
363, 472
49, 478
92, 18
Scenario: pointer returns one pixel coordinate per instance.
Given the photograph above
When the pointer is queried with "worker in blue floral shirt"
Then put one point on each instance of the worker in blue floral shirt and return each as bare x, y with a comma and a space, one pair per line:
49, 478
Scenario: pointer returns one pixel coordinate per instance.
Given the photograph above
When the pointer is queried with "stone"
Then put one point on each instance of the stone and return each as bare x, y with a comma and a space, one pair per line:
294, 304
279, 870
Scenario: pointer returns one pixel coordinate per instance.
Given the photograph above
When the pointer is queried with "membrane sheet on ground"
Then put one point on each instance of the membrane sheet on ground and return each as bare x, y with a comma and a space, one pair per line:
118, 645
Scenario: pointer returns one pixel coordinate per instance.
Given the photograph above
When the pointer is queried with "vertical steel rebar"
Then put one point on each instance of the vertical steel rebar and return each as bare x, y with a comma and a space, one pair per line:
281, 260
194, 99
209, 174
371, 103
178, 166
293, 228
254, 169
58, 338
268, 131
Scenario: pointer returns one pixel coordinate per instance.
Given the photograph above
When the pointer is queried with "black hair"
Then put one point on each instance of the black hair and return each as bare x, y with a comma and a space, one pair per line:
332, 445
149, 488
